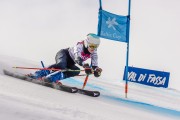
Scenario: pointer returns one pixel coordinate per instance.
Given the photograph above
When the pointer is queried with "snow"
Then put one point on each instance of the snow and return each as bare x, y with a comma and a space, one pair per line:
21, 100
37, 29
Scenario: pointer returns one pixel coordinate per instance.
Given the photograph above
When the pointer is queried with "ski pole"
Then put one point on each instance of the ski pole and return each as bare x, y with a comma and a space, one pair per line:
42, 64
85, 81
43, 67
87, 76
37, 68
55, 69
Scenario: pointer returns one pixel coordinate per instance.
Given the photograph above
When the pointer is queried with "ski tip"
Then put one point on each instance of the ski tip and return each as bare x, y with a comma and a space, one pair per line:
96, 94
74, 90
89, 93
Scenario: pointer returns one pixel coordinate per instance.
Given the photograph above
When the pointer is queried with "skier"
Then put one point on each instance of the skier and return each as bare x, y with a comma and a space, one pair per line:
69, 57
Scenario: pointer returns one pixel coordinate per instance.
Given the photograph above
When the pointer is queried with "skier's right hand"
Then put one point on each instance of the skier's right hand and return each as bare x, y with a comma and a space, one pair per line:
87, 68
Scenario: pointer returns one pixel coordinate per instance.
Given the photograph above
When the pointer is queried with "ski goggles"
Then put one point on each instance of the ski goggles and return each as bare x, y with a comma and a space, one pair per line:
93, 46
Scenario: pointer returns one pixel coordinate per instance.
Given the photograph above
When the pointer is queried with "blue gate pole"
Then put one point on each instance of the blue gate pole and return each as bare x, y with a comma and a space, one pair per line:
100, 4
100, 18
127, 54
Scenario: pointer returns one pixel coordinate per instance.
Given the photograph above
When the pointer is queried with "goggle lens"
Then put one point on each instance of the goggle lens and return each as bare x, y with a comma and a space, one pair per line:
92, 46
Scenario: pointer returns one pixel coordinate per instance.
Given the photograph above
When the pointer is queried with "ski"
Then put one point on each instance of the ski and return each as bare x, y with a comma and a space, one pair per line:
89, 92
42, 82
57, 86
65, 88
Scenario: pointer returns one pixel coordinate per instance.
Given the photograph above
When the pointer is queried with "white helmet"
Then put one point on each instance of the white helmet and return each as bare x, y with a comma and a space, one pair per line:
92, 39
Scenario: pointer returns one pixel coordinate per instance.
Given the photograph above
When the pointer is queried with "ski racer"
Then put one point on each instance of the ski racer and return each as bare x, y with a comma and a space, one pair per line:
68, 58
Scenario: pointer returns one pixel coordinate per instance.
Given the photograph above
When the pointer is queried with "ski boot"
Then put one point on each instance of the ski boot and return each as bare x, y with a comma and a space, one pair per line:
55, 77
39, 74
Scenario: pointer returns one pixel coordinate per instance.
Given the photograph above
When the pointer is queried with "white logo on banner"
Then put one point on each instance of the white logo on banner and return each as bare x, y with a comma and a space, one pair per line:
111, 23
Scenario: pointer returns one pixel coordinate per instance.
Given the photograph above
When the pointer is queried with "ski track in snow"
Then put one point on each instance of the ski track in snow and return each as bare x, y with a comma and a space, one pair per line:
22, 100
143, 105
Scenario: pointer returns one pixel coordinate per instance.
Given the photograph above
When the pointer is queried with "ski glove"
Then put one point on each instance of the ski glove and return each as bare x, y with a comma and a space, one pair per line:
79, 61
87, 68
97, 72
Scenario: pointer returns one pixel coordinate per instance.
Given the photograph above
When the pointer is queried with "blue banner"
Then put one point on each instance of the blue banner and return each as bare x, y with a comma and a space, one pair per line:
113, 27
148, 77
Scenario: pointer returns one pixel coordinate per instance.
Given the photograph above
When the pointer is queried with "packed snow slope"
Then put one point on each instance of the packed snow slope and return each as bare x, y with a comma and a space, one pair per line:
21, 100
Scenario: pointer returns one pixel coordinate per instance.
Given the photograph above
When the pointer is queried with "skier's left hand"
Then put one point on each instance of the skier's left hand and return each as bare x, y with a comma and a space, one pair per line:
97, 72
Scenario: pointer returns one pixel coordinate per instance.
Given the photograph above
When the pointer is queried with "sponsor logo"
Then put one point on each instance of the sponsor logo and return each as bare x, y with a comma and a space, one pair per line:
148, 77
